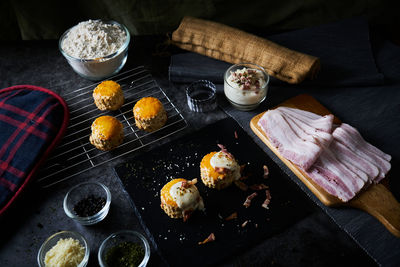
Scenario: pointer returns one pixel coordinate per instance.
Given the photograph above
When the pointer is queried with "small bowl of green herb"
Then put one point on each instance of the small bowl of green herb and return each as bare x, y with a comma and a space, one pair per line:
124, 248
87, 203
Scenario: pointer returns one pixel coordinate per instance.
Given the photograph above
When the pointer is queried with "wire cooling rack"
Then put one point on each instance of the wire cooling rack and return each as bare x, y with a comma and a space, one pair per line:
75, 155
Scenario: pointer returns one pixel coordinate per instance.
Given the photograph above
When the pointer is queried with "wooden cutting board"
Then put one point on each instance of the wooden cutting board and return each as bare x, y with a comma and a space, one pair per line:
377, 200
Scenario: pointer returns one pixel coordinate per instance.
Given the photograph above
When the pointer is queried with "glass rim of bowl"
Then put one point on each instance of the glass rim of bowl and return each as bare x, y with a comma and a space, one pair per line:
244, 65
67, 232
87, 218
147, 249
100, 59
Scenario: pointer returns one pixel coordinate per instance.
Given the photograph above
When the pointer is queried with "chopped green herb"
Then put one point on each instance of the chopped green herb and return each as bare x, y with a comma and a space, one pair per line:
125, 254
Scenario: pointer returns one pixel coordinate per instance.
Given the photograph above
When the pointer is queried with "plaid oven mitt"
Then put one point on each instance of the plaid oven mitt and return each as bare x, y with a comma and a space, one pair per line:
32, 122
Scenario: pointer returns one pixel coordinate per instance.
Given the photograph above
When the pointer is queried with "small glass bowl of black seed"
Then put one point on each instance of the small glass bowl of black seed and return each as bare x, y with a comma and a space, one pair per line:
87, 203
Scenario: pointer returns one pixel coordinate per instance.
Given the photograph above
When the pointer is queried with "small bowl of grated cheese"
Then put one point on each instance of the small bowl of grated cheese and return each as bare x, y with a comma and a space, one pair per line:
65, 248
96, 49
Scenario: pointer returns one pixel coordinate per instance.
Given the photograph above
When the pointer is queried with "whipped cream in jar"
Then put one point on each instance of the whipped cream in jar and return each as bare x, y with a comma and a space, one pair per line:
245, 85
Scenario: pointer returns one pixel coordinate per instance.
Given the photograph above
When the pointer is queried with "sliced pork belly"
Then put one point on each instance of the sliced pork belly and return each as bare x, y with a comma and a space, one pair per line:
348, 183
301, 113
328, 161
322, 138
355, 134
353, 142
339, 160
363, 168
292, 145
322, 123
330, 183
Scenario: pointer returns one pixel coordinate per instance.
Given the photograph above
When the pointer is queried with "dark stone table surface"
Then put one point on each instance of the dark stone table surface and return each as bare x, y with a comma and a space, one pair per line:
314, 241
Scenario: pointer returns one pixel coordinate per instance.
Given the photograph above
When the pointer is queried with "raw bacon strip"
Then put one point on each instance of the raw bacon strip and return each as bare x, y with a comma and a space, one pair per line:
302, 113
328, 161
322, 138
301, 152
322, 123
330, 183
299, 131
342, 159
335, 177
357, 147
359, 139
354, 162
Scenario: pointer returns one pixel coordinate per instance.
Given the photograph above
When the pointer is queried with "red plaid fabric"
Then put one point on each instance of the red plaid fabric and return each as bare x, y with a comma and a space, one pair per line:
32, 121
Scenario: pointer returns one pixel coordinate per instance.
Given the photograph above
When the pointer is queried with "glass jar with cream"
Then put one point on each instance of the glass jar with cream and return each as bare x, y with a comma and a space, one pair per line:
245, 85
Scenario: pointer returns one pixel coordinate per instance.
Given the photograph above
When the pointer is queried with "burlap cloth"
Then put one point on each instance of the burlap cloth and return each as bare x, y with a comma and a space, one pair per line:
235, 46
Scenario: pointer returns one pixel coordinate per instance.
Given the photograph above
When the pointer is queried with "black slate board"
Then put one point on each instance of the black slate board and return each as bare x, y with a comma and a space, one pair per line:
176, 241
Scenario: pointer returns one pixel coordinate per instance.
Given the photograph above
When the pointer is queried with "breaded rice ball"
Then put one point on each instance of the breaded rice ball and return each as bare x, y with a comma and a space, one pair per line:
108, 95
219, 169
180, 198
149, 114
107, 133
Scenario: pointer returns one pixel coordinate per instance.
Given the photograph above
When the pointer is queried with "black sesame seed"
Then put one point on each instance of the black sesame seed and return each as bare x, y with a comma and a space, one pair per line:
89, 206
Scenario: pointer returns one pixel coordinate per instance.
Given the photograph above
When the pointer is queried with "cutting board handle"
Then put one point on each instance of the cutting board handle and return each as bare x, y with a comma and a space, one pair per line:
378, 201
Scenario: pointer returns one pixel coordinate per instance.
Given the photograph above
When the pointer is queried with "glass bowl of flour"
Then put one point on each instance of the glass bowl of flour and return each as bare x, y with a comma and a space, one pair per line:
96, 49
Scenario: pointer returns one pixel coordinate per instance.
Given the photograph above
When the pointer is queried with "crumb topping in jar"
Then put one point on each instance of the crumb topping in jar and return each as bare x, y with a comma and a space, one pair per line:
245, 87
247, 79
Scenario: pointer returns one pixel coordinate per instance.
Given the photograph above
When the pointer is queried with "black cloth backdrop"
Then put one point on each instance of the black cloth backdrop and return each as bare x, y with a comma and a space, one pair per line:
343, 48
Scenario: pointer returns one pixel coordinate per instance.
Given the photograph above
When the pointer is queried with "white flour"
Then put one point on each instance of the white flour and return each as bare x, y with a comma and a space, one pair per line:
93, 39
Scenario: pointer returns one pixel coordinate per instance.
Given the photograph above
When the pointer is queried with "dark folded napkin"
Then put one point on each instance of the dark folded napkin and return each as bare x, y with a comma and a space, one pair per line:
343, 47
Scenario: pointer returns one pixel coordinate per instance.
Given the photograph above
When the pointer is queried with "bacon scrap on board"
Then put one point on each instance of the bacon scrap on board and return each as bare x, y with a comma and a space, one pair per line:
258, 187
231, 217
236, 135
267, 199
186, 215
210, 238
247, 202
245, 223
244, 177
266, 172
242, 186
242, 167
